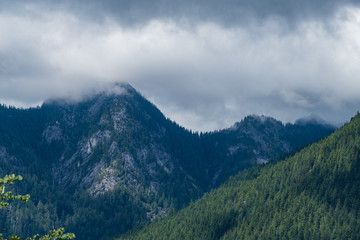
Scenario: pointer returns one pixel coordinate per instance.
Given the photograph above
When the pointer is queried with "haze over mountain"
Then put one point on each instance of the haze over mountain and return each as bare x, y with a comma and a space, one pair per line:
112, 160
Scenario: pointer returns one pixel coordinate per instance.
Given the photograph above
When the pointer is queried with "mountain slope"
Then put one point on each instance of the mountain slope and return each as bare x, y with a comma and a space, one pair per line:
112, 160
255, 140
314, 194
108, 161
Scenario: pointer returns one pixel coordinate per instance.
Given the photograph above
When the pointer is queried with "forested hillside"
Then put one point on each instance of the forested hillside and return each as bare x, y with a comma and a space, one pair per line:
313, 194
112, 160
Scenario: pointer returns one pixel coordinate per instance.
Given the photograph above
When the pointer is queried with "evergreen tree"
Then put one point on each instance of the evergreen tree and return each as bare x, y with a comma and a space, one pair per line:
6, 196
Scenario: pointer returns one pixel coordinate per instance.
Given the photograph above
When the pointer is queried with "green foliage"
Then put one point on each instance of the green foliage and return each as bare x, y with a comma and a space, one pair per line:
53, 235
6, 196
117, 208
313, 194
58, 234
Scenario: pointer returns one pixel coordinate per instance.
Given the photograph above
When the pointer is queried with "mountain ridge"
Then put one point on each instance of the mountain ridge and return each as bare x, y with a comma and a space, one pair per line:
117, 143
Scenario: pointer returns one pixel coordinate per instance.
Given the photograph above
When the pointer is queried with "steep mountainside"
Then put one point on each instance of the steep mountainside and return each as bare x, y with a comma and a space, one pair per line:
114, 161
313, 194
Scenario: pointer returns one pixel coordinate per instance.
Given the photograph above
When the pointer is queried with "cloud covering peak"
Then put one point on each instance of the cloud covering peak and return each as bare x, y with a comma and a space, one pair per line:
206, 64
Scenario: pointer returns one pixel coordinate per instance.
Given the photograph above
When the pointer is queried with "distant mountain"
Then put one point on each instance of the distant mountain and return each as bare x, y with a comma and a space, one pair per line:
112, 160
313, 194
255, 140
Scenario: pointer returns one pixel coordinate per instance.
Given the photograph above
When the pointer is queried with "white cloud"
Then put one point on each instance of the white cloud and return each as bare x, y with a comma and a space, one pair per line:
204, 76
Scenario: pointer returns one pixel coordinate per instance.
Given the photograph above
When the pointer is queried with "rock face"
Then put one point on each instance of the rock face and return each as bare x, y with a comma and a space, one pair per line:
114, 140
116, 143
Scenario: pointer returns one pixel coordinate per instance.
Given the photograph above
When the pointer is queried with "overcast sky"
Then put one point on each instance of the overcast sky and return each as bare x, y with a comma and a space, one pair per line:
206, 64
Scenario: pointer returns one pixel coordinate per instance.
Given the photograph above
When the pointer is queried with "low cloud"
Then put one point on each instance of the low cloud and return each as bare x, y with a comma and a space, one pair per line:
204, 75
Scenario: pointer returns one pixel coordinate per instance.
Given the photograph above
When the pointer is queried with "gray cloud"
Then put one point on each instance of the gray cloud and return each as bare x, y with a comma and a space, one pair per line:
227, 12
205, 65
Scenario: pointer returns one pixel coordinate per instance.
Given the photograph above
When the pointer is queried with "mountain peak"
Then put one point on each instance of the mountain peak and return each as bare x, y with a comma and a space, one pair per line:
255, 120
104, 90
